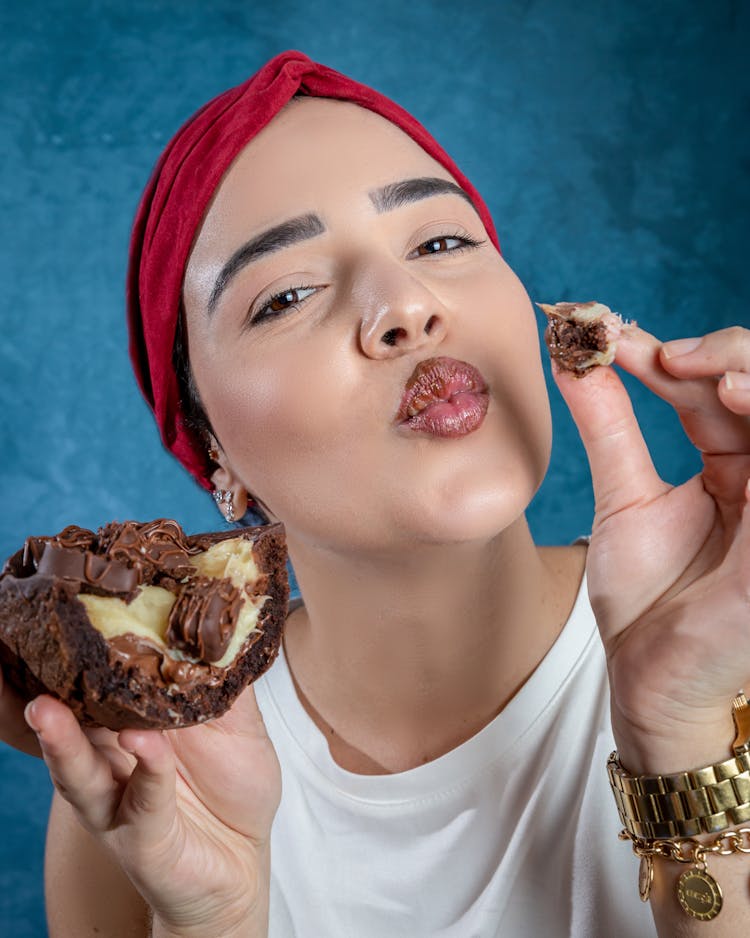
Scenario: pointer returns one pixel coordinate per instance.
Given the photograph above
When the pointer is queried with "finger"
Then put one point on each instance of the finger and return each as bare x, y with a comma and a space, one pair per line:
242, 721
14, 730
734, 392
243, 718
724, 354
149, 800
105, 741
708, 356
744, 543
80, 773
695, 395
622, 471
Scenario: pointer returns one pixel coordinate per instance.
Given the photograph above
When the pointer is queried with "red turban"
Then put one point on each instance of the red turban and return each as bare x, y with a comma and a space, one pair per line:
177, 196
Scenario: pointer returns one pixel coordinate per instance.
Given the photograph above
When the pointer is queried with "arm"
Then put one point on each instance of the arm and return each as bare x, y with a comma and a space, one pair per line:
669, 577
86, 892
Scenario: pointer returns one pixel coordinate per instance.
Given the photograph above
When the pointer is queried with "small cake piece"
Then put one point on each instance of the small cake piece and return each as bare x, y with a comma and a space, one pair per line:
581, 336
139, 625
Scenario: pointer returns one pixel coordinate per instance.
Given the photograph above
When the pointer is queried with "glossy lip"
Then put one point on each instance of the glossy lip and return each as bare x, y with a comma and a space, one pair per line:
440, 381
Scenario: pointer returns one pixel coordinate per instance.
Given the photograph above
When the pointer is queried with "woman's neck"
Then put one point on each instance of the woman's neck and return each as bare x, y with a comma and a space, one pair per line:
400, 659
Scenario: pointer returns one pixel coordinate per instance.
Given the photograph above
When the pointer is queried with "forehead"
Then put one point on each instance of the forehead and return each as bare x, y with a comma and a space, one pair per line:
313, 154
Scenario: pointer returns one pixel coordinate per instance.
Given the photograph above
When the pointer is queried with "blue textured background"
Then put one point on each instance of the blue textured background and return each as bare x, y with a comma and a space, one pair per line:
610, 139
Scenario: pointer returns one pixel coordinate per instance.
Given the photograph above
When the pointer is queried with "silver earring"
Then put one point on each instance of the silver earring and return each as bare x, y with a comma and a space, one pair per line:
223, 497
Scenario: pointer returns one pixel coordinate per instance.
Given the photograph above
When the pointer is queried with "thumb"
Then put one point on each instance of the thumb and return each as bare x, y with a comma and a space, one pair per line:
243, 718
622, 470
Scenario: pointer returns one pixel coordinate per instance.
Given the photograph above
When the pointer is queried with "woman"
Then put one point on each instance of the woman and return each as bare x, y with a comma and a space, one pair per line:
364, 366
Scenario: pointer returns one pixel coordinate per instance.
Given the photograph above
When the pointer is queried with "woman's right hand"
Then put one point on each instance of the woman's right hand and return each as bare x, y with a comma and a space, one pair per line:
186, 813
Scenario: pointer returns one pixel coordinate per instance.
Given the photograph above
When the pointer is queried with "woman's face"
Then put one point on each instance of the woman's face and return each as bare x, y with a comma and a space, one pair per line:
314, 290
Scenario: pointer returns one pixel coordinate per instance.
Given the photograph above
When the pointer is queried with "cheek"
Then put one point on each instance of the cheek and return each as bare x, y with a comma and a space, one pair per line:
278, 419
519, 380
250, 403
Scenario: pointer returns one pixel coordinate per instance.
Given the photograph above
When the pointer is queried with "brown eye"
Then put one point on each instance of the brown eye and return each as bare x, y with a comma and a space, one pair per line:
445, 244
437, 246
283, 302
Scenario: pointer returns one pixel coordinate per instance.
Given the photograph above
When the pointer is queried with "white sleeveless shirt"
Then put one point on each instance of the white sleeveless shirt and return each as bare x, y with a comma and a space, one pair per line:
514, 833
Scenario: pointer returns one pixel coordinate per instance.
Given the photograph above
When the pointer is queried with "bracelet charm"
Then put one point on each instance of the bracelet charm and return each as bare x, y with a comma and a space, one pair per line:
645, 876
699, 894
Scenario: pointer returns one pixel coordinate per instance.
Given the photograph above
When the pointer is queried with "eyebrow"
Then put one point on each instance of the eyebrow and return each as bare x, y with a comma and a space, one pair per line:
396, 194
385, 199
273, 239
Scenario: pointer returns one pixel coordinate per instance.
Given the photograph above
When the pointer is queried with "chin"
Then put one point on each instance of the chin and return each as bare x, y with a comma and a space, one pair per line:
466, 512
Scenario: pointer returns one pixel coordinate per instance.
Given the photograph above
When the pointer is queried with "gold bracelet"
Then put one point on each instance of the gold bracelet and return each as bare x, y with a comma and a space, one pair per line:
662, 814
701, 801
698, 892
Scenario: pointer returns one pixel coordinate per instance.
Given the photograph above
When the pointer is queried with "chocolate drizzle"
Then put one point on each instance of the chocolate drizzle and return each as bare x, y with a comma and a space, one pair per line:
158, 547
203, 620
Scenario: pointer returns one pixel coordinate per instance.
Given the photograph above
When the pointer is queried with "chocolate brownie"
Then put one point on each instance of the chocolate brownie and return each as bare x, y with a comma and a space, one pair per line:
580, 336
140, 625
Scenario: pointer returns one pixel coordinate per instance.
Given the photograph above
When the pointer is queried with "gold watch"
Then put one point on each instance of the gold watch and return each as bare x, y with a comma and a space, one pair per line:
701, 801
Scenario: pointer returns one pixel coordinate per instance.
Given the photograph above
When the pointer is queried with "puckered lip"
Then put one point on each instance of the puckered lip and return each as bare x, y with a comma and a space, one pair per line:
438, 379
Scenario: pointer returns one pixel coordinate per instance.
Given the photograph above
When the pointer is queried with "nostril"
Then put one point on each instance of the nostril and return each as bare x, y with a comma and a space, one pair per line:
392, 336
429, 324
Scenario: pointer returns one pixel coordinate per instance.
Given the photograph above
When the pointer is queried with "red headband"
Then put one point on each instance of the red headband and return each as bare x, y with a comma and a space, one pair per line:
177, 196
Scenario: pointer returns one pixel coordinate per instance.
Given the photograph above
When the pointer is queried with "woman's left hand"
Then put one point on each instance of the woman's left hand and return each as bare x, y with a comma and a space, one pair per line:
669, 567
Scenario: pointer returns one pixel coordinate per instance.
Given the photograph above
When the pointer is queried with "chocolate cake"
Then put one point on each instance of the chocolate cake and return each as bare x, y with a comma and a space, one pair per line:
580, 336
139, 625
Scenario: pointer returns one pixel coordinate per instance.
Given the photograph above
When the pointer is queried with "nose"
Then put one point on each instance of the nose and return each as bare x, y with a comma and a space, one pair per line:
400, 315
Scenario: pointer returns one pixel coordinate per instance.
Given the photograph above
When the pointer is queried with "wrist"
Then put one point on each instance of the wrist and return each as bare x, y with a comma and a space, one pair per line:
244, 930
238, 923
679, 747
243, 917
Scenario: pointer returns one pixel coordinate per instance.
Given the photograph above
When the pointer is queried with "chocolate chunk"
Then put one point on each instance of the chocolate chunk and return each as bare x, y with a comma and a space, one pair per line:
84, 567
202, 621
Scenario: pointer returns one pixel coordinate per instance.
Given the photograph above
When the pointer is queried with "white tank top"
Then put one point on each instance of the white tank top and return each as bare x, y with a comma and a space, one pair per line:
514, 833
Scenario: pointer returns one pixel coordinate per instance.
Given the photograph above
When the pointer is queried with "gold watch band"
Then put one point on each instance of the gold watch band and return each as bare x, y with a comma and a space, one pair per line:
702, 801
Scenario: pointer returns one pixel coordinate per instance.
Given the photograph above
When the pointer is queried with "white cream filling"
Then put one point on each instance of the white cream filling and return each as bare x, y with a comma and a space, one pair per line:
593, 313
147, 616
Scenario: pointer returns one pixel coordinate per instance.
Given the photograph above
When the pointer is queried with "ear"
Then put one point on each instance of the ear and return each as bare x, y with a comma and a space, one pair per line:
233, 503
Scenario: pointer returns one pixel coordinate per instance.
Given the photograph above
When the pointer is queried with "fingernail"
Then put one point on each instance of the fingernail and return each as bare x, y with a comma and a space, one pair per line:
30, 715
737, 381
680, 347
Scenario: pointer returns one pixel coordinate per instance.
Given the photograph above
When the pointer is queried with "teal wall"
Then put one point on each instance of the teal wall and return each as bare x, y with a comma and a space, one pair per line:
609, 138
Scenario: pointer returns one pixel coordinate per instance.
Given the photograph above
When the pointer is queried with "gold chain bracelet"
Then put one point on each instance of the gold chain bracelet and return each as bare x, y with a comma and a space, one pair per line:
697, 891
